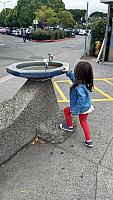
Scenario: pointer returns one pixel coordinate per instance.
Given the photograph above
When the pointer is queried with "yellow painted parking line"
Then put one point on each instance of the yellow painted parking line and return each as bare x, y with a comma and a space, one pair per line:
94, 100
95, 79
103, 93
101, 79
99, 100
60, 92
63, 81
108, 82
65, 100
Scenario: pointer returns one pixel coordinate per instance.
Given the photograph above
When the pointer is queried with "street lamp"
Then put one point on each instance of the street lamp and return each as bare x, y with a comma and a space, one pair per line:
4, 3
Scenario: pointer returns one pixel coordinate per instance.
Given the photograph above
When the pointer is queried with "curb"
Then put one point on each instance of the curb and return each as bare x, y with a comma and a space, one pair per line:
50, 40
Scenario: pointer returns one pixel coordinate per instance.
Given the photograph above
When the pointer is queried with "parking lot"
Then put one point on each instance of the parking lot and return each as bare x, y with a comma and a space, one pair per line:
100, 93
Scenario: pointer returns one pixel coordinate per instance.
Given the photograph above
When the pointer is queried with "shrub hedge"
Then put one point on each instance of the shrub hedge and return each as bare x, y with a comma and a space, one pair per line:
48, 34
97, 33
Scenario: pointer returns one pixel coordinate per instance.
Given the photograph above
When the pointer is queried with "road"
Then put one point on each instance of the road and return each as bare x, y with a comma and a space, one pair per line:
13, 49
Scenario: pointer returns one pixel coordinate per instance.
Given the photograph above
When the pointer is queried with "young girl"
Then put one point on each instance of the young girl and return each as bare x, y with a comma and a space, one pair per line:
80, 103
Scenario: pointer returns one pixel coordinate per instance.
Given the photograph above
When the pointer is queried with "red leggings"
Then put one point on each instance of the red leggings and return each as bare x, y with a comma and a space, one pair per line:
83, 121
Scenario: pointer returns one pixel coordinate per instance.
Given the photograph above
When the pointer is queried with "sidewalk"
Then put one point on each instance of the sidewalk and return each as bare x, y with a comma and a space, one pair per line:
68, 171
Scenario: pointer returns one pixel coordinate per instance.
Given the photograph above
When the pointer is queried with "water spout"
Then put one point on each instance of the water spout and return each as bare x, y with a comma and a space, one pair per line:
45, 64
50, 57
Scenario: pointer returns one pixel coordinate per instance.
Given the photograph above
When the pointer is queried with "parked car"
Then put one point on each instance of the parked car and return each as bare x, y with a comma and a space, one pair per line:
76, 31
19, 34
70, 32
2, 30
82, 32
14, 32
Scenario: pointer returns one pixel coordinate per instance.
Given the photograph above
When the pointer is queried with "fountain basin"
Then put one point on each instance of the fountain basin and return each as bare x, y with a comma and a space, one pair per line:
36, 69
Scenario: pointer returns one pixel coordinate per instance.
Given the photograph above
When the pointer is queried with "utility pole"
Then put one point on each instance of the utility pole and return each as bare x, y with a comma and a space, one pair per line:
86, 17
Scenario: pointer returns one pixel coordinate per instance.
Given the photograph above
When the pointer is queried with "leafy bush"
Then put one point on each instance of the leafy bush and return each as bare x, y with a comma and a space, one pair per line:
98, 32
59, 34
48, 34
41, 35
68, 34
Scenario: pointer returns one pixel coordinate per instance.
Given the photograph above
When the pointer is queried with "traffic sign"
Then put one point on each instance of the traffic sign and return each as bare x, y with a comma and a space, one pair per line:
35, 21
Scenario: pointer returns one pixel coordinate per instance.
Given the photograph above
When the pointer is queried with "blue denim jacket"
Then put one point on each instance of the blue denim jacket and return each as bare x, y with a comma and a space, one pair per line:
80, 100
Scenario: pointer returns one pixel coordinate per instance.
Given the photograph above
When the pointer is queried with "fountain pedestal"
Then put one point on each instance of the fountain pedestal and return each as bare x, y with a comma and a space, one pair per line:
32, 112
47, 113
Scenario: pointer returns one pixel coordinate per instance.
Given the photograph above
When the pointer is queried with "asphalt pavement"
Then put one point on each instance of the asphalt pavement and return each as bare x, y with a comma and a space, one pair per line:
67, 171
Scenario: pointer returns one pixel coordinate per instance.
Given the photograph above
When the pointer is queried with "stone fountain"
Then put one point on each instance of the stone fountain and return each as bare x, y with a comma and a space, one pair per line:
33, 112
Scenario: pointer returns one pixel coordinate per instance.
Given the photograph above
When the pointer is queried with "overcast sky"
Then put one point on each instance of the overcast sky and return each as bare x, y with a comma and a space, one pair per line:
94, 5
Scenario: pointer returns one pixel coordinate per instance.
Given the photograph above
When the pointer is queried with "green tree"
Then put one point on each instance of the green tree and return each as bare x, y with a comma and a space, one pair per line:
52, 21
98, 14
26, 9
55, 4
8, 17
11, 18
78, 15
47, 15
25, 12
3, 18
66, 19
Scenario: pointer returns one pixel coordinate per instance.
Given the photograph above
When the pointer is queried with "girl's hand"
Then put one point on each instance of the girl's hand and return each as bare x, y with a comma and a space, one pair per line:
65, 69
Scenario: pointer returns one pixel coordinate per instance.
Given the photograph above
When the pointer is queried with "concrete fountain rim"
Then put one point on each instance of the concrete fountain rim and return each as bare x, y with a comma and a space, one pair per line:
35, 74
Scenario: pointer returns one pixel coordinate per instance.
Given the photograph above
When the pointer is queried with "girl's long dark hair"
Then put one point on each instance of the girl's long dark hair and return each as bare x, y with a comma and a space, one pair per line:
84, 74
